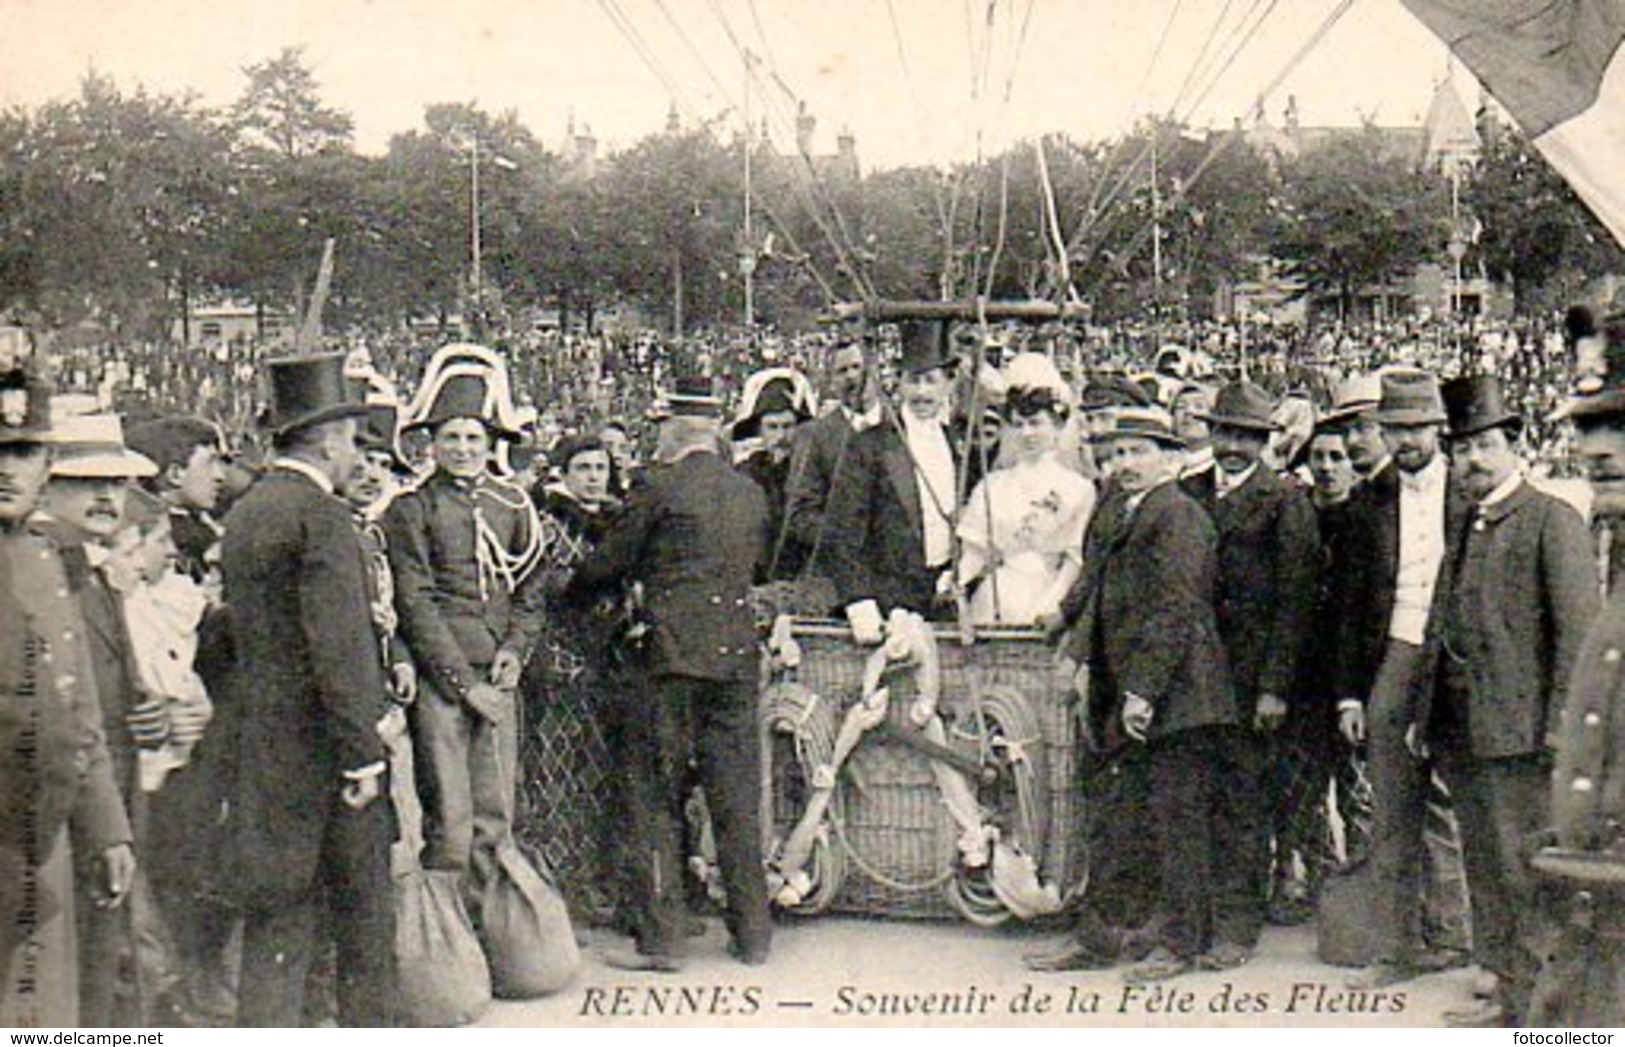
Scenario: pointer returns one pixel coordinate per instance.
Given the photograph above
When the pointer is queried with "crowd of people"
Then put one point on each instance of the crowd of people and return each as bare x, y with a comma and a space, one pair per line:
1315, 591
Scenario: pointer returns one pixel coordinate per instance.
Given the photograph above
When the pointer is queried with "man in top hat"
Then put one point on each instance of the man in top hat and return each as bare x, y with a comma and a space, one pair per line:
1582, 982
1523, 590
1268, 545
693, 534
310, 824
820, 453
463, 544
1397, 557
57, 768
769, 414
889, 528
83, 509
1160, 702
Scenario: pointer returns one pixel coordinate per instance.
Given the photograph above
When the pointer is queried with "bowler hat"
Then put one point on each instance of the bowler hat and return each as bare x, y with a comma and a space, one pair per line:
92, 446
1112, 390
1598, 387
1410, 397
1150, 423
1241, 405
1474, 404
925, 346
309, 390
25, 401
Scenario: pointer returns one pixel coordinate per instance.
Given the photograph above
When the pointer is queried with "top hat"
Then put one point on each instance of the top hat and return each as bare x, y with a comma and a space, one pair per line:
1241, 405
926, 346
1598, 387
25, 401
774, 397
1476, 403
92, 446
1410, 397
309, 390
1150, 423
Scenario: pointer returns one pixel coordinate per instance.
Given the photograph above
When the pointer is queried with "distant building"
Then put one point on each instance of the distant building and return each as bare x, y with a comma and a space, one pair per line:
229, 323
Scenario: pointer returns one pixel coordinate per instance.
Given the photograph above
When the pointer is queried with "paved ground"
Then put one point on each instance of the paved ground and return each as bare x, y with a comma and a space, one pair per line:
837, 971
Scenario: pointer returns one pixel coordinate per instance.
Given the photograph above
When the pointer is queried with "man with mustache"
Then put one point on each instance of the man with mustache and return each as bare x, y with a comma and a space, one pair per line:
888, 535
1397, 543
84, 500
51, 737
1523, 589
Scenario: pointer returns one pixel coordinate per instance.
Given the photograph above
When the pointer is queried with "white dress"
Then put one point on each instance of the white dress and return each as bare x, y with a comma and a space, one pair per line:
1022, 531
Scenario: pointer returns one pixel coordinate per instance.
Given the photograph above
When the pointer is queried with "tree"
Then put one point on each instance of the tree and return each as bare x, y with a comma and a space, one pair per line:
1534, 232
1355, 215
281, 109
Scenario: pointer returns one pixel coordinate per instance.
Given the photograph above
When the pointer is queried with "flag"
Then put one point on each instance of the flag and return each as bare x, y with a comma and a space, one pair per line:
1558, 68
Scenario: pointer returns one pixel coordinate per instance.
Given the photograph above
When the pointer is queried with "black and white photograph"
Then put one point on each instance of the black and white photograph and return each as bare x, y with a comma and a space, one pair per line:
594, 514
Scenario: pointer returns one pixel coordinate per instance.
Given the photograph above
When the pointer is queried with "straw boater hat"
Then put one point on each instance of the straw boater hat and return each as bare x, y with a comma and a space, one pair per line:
1474, 404
1151, 423
1358, 394
691, 396
1242, 405
91, 446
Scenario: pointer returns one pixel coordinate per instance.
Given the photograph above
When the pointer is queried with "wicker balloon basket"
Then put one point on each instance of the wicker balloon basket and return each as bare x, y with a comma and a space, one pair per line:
888, 844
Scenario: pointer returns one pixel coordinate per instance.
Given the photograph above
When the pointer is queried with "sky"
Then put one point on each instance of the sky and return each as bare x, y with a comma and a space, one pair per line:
913, 80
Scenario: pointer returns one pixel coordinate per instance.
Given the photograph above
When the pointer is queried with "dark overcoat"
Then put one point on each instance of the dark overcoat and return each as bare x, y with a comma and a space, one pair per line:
1520, 603
694, 533
1269, 551
314, 690
874, 530
1149, 624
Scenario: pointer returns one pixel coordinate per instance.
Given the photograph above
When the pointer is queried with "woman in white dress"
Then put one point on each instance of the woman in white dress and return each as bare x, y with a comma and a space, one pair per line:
1022, 528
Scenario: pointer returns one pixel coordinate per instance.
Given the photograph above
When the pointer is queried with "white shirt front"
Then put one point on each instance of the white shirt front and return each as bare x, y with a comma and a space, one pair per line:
934, 473
1224, 483
1421, 550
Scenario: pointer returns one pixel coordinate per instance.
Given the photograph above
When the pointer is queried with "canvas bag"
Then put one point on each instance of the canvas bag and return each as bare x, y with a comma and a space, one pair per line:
443, 976
529, 942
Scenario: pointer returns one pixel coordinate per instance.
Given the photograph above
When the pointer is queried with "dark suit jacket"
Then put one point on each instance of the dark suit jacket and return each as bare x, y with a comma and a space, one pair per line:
314, 688
694, 532
1524, 590
108, 641
818, 461
1269, 547
1149, 623
874, 534
1368, 568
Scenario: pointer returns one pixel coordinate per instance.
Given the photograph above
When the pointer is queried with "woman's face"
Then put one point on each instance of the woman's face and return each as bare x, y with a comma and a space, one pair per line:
587, 476
1027, 435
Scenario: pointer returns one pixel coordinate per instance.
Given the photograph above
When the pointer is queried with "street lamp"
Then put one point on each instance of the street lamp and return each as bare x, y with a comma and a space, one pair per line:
474, 245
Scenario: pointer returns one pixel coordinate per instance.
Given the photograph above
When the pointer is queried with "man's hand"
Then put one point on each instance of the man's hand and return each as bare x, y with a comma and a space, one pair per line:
117, 874
1351, 723
1269, 714
392, 728
404, 678
1137, 713
505, 669
362, 791
487, 700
